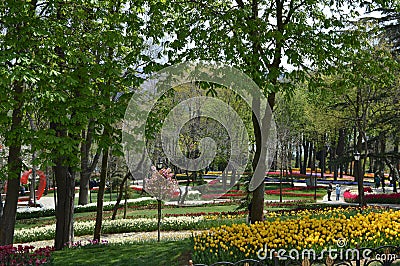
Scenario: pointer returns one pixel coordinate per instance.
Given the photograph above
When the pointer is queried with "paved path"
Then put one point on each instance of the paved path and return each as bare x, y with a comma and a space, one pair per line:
342, 202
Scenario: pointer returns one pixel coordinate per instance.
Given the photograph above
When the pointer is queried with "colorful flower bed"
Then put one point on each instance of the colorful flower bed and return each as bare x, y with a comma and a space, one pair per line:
210, 214
294, 174
288, 203
299, 230
223, 196
24, 255
82, 228
285, 192
390, 198
293, 194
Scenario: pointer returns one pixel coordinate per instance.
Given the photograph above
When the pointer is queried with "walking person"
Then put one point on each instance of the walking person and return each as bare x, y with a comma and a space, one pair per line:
377, 180
337, 192
329, 191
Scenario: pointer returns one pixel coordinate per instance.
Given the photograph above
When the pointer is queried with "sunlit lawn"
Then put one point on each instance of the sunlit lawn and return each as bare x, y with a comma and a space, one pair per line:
169, 253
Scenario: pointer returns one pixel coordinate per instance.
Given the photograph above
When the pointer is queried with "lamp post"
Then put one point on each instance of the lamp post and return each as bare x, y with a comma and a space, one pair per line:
357, 156
359, 178
315, 183
159, 164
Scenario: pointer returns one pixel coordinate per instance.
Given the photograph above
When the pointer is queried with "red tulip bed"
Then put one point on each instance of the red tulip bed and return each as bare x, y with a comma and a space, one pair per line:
24, 255
193, 214
228, 195
389, 198
285, 192
294, 174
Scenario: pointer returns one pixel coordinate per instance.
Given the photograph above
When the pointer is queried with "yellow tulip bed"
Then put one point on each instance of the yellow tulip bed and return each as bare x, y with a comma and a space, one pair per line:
308, 229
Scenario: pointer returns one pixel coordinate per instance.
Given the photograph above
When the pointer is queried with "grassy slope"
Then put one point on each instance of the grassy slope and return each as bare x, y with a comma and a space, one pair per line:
171, 253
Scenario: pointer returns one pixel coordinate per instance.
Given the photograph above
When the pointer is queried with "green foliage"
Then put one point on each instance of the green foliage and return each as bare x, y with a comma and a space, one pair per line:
256, 36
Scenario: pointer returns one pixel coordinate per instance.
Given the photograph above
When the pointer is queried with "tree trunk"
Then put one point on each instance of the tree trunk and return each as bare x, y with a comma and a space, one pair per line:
257, 203
297, 158
233, 177
32, 192
126, 199
65, 205
1, 201
310, 156
32, 185
395, 174
158, 219
334, 163
313, 166
84, 175
382, 142
86, 167
300, 154
396, 163
121, 189
376, 151
7, 220
280, 178
305, 145
358, 149
100, 195
258, 164
359, 174
340, 149
65, 179
323, 155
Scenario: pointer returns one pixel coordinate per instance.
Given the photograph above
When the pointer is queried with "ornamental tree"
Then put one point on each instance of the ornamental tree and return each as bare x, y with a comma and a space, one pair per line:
162, 186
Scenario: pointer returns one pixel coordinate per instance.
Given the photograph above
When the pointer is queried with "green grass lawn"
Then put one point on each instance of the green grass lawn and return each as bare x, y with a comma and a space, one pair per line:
113, 197
168, 253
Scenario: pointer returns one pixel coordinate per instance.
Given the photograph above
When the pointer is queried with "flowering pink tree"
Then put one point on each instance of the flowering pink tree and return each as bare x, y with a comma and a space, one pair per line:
162, 186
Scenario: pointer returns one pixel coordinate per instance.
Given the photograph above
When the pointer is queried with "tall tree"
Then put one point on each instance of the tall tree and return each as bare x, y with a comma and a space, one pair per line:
258, 37
360, 88
21, 67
